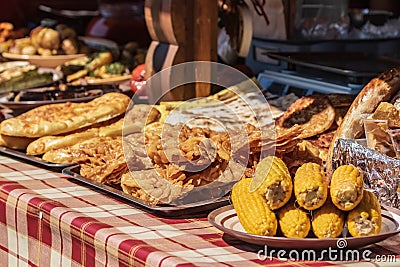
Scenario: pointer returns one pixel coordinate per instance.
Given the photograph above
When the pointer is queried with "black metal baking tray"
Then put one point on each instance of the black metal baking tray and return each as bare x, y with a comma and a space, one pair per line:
163, 210
33, 160
35, 97
343, 63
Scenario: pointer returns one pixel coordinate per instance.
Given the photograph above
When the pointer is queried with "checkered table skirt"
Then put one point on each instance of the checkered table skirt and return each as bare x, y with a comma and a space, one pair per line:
47, 220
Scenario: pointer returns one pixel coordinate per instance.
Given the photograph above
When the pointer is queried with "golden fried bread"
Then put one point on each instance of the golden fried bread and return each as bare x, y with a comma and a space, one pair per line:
47, 143
101, 158
57, 119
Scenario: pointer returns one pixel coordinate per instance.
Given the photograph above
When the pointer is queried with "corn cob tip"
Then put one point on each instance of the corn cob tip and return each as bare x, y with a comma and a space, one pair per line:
310, 186
346, 187
366, 218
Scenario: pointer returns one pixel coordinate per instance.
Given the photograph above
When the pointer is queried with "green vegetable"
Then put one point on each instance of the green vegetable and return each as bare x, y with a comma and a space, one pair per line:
115, 68
30, 79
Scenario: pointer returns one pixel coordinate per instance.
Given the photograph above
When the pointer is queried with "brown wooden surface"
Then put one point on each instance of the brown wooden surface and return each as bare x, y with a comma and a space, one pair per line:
182, 31
205, 33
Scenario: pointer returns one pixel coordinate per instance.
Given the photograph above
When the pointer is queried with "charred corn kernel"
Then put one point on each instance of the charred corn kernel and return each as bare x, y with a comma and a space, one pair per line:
293, 221
273, 181
346, 187
252, 210
310, 186
328, 221
366, 218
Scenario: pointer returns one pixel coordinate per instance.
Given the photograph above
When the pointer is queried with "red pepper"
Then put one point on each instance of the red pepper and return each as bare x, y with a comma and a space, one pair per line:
138, 77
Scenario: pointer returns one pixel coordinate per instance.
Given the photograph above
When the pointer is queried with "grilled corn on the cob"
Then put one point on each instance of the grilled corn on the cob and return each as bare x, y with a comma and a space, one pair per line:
272, 180
310, 186
293, 221
328, 221
366, 218
252, 210
346, 187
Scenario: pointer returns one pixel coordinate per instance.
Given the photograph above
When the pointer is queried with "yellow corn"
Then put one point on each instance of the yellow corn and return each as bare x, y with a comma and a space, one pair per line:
252, 210
346, 187
272, 180
293, 221
310, 186
366, 218
328, 221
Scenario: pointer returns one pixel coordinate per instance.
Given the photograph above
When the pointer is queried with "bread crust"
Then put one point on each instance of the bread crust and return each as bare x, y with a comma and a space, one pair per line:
47, 143
381, 88
57, 119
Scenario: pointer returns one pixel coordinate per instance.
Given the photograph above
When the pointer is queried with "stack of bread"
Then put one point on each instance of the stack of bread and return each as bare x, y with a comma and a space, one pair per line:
48, 128
312, 121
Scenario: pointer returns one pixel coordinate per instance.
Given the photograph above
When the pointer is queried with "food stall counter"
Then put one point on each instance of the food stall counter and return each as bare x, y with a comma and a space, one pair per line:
48, 220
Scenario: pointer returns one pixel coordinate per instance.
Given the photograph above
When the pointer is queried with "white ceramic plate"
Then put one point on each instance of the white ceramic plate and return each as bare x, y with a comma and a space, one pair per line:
56, 60
95, 81
117, 80
42, 61
226, 220
57, 75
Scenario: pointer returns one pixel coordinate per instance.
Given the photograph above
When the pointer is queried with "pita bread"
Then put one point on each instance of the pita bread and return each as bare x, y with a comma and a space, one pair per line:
314, 114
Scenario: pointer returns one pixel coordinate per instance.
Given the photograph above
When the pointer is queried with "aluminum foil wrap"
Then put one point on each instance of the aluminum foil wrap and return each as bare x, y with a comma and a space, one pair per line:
381, 173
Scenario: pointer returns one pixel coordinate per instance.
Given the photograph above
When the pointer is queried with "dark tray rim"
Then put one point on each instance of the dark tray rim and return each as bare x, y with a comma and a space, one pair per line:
165, 210
33, 159
290, 57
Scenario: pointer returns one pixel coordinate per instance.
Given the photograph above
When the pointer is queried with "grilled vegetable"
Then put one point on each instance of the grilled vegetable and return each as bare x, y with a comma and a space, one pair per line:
101, 59
346, 187
293, 221
23, 77
328, 221
111, 70
272, 180
366, 218
252, 210
310, 186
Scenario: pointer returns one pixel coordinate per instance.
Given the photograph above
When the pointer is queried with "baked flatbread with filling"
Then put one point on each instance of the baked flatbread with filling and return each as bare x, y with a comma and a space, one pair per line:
57, 119
47, 143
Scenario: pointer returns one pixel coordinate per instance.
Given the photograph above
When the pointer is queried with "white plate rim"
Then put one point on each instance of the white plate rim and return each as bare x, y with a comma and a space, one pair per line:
285, 242
39, 57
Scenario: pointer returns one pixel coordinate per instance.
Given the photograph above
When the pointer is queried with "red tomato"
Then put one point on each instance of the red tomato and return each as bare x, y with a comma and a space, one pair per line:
138, 77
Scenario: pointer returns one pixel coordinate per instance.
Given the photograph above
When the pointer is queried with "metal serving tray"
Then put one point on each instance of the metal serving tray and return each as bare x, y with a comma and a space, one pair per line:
33, 160
356, 65
163, 210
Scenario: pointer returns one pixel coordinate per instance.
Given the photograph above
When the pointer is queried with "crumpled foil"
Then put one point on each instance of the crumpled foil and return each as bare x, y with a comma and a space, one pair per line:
381, 173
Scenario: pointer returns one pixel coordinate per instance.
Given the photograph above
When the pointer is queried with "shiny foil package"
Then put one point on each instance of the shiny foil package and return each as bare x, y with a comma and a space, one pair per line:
381, 173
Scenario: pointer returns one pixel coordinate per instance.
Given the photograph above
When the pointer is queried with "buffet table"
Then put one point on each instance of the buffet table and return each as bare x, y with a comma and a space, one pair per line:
47, 220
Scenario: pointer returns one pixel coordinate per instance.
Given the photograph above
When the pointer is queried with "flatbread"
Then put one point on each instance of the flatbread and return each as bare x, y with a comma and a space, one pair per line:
341, 100
101, 158
134, 121
314, 114
57, 119
47, 143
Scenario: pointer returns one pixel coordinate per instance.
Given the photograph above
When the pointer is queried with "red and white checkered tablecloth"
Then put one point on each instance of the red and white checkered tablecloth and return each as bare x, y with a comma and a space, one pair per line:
46, 220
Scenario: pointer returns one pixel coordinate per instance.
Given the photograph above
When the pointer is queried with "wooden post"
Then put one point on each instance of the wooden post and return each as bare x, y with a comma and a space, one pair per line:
182, 31
205, 33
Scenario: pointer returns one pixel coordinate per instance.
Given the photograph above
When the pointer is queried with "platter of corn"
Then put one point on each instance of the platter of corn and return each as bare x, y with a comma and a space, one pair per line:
305, 211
